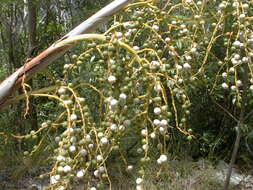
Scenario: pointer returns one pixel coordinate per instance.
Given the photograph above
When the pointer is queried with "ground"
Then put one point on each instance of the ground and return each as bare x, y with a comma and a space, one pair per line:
176, 175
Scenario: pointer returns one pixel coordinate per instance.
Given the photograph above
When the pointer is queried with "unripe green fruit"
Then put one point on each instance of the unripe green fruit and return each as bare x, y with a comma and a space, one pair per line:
141, 172
26, 153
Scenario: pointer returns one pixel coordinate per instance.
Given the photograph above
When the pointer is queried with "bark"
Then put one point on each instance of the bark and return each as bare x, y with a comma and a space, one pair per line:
31, 27
241, 121
13, 64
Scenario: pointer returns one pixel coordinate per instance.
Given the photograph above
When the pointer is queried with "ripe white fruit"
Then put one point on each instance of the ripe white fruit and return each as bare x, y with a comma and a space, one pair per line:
245, 6
104, 140
188, 58
180, 81
72, 148
159, 161
237, 43
126, 24
44, 124
99, 158
222, 5
113, 127
73, 117
66, 66
90, 146
145, 147
245, 60
96, 173
136, 100
83, 152
136, 48
62, 91
80, 99
199, 3
235, 4
57, 177
80, 174
88, 138
128, 34
112, 79
129, 168
144, 132
224, 75
101, 169
155, 27
67, 169
139, 187
119, 34
153, 135
187, 66
238, 83
61, 188
232, 70
112, 61
162, 159
162, 130
60, 158
157, 88
114, 104
233, 87
157, 122
167, 39
194, 50
164, 122
242, 16
53, 180
121, 127
224, 85
237, 56
100, 134
155, 64
68, 102
139, 181
157, 110
122, 98
234, 61
57, 139
179, 67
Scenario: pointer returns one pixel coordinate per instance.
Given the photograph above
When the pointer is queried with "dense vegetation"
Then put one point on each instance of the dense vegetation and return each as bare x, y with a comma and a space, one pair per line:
161, 80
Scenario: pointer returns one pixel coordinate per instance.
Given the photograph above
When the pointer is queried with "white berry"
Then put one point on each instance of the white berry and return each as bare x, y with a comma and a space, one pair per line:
73, 117
112, 79
80, 174
67, 169
139, 181
157, 110
104, 140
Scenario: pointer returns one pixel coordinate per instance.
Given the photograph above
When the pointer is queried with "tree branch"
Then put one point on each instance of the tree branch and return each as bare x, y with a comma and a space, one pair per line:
13, 82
